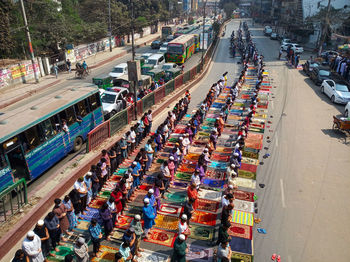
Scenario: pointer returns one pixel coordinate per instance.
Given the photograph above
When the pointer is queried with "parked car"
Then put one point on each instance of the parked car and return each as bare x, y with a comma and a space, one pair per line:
286, 41
273, 36
119, 70
319, 74
156, 44
308, 66
164, 48
267, 30
337, 90
168, 66
327, 53
298, 49
347, 110
113, 100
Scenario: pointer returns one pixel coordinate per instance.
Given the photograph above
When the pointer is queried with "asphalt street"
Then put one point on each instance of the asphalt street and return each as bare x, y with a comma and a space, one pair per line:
303, 204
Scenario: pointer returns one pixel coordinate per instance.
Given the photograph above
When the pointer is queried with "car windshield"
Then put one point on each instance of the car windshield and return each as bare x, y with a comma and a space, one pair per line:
152, 61
164, 45
108, 98
167, 67
117, 70
175, 49
297, 46
324, 73
342, 88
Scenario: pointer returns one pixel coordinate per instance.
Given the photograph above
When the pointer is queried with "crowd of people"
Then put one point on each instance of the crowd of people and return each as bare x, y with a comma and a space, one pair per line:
341, 65
64, 217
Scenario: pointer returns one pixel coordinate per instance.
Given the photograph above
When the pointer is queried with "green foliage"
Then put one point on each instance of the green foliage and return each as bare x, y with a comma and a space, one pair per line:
53, 25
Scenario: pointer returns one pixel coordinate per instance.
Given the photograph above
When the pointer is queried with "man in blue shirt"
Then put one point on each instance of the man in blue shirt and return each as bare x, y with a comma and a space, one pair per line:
148, 216
96, 235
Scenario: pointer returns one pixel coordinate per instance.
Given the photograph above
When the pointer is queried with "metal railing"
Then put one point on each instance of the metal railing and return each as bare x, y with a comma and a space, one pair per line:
12, 199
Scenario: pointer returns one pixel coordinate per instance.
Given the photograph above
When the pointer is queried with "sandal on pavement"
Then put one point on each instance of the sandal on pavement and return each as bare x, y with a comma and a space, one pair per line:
278, 258
273, 257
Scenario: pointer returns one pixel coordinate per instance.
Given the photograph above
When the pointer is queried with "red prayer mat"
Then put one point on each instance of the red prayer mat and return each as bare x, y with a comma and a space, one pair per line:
249, 167
123, 222
204, 218
239, 230
171, 210
161, 237
244, 195
97, 203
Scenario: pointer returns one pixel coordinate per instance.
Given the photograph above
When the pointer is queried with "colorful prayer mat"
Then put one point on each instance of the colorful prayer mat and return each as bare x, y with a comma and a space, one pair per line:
248, 167
250, 161
207, 205
180, 184
213, 183
90, 214
241, 245
117, 235
204, 218
167, 222
239, 230
97, 203
177, 197
199, 253
215, 174
171, 210
244, 195
202, 232
62, 252
139, 196
246, 174
161, 237
241, 217
83, 225
186, 169
239, 257
104, 194
123, 222
151, 256
183, 176
210, 195
218, 157
245, 206
192, 157
244, 182
105, 254
250, 154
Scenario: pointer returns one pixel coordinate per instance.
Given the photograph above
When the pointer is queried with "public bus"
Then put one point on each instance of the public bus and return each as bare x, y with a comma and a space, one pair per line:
184, 31
180, 49
197, 38
33, 136
168, 30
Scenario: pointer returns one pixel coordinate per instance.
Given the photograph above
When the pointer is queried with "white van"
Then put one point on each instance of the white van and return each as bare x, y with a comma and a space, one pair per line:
157, 60
119, 70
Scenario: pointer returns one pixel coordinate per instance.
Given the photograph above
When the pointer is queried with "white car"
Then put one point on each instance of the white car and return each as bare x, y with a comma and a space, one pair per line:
119, 70
168, 66
297, 48
347, 110
286, 41
163, 48
113, 100
146, 56
337, 90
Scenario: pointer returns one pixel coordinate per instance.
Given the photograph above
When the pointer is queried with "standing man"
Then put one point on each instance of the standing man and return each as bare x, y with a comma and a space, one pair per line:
96, 235
41, 231
81, 250
80, 186
136, 225
148, 216
180, 249
69, 66
55, 69
32, 247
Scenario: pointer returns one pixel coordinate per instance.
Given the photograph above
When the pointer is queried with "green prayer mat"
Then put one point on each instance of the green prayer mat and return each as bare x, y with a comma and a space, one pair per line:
176, 197
183, 176
202, 233
246, 174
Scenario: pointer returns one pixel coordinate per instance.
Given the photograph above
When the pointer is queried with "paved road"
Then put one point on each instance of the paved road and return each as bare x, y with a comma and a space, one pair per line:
303, 205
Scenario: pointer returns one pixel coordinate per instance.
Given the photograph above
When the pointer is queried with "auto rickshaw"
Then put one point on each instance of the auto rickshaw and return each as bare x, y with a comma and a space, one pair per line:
172, 73
156, 74
145, 68
103, 81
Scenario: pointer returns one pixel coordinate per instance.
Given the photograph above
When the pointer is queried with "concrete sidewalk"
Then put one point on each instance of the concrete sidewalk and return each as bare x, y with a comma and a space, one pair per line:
13, 94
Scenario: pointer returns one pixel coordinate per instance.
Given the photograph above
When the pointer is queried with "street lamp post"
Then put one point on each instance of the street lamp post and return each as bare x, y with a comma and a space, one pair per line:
31, 52
202, 61
109, 26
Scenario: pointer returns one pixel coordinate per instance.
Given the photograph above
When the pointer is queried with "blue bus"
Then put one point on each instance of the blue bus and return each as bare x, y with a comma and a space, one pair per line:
33, 136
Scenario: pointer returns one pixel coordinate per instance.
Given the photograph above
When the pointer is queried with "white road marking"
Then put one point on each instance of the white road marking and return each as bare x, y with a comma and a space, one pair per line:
289, 258
276, 135
282, 194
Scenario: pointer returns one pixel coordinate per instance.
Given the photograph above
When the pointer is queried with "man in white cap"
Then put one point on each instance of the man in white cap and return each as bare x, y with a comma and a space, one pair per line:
180, 249
136, 225
183, 226
148, 216
41, 231
234, 160
186, 143
152, 200
31, 245
81, 250
135, 174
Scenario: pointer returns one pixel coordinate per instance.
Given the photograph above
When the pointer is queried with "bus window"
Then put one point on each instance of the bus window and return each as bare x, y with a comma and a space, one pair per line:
3, 162
70, 116
48, 129
32, 137
81, 108
55, 121
94, 102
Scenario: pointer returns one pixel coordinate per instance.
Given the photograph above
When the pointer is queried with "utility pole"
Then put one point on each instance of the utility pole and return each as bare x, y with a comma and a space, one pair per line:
133, 55
109, 26
26, 28
325, 27
204, 4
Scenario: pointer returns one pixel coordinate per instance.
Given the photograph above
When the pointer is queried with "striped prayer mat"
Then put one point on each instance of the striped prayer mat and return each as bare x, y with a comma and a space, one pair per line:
241, 217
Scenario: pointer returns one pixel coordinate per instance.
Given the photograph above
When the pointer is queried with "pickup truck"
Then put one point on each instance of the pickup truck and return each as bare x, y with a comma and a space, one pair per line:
113, 100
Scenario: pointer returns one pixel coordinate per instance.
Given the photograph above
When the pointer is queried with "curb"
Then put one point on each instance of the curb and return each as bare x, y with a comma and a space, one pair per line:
12, 237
